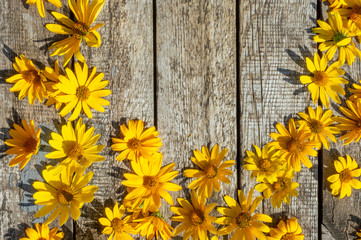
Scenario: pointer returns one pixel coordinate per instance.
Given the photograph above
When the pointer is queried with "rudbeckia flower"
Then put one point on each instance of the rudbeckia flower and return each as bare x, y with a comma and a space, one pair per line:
42, 232
351, 123
287, 230
153, 225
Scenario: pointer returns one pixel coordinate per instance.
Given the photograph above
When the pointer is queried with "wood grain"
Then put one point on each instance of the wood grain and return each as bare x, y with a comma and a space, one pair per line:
274, 39
196, 77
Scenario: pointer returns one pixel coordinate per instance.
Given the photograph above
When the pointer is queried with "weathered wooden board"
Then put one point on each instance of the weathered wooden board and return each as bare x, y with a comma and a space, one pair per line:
126, 59
22, 32
196, 78
274, 39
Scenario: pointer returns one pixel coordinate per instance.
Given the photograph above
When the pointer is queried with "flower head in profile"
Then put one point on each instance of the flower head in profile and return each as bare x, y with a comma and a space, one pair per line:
117, 224
40, 5
136, 141
153, 225
344, 180
335, 35
264, 163
287, 230
281, 190
294, 145
194, 217
63, 192
42, 232
85, 14
24, 143
325, 82
240, 218
149, 183
212, 170
82, 90
351, 123
319, 124
29, 81
53, 79
75, 146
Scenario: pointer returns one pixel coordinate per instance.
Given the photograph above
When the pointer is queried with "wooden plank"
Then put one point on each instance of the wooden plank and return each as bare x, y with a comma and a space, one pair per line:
126, 58
274, 39
196, 77
22, 32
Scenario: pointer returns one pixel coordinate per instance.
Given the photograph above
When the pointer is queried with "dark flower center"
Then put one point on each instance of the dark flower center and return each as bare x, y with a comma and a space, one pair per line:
197, 217
80, 30
82, 93
243, 220
320, 78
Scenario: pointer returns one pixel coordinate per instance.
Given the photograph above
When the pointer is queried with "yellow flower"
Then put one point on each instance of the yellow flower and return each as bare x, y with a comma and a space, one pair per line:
325, 82
136, 141
294, 145
24, 143
29, 81
212, 171
153, 225
194, 218
334, 3
356, 92
240, 217
53, 76
351, 123
40, 5
264, 163
77, 145
334, 36
63, 192
343, 181
289, 230
42, 232
319, 124
351, 10
85, 15
116, 225
214, 238
280, 190
358, 234
150, 182
81, 91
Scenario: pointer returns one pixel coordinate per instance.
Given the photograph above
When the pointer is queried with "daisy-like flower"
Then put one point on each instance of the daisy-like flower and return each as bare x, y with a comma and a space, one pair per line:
53, 76
343, 181
334, 36
264, 163
289, 230
294, 145
325, 81
42, 232
194, 217
319, 124
239, 217
351, 10
280, 190
212, 170
356, 92
24, 143
351, 123
85, 14
136, 141
63, 192
116, 225
40, 5
153, 225
81, 90
75, 146
150, 182
29, 81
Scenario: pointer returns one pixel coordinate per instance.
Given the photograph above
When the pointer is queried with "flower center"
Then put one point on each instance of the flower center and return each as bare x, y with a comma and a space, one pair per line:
41, 238
134, 144
316, 126
30, 145
288, 236
197, 217
355, 15
294, 145
118, 225
346, 175
210, 171
280, 185
337, 37
80, 30
31, 76
150, 182
243, 220
82, 93
264, 164
320, 78
74, 150
65, 195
